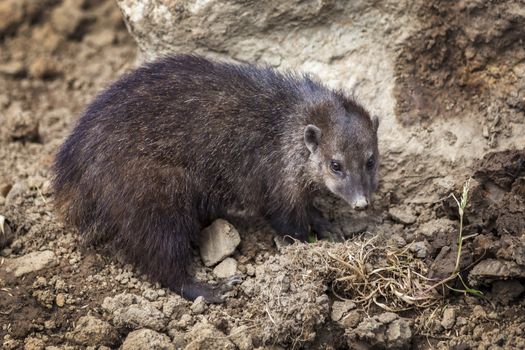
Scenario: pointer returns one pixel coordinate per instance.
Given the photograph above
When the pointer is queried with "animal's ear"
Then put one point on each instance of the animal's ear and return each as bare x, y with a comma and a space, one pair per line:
312, 137
375, 122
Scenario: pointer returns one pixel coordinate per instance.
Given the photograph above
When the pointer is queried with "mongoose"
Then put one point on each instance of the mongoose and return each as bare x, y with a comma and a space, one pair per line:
178, 142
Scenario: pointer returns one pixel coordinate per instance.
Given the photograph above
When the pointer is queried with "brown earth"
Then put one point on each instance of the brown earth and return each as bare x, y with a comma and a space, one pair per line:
56, 55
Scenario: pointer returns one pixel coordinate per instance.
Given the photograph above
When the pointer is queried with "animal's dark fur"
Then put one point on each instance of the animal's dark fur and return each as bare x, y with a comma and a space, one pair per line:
176, 143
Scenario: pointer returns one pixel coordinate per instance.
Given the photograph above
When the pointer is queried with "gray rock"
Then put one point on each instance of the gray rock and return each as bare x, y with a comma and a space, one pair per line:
175, 306
402, 215
31, 262
420, 249
386, 330
206, 336
241, 337
13, 68
90, 330
133, 311
340, 308
147, 339
490, 270
198, 306
449, 318
227, 268
218, 241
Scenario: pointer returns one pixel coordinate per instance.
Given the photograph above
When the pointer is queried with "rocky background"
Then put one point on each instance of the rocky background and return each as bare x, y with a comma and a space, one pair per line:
448, 82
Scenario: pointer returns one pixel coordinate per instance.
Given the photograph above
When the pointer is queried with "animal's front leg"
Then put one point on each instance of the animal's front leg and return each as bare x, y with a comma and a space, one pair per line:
289, 224
323, 227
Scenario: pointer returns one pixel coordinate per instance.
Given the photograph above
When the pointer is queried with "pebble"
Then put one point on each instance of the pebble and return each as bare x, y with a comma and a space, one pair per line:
402, 215
219, 240
198, 306
225, 269
449, 318
31, 262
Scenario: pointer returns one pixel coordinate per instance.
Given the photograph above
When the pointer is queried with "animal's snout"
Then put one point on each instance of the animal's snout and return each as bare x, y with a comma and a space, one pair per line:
360, 203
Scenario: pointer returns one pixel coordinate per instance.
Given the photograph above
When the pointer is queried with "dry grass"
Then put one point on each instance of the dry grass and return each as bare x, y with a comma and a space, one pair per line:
371, 273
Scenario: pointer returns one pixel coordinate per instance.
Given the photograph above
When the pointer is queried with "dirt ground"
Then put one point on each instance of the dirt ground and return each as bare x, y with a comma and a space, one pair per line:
55, 56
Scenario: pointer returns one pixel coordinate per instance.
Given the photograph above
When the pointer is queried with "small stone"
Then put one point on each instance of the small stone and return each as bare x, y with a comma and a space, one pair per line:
150, 294
399, 334
66, 18
101, 38
198, 306
43, 68
31, 262
14, 69
420, 249
32, 343
250, 270
19, 126
449, 318
340, 308
402, 215
175, 306
352, 319
133, 311
18, 190
227, 268
60, 300
147, 339
219, 240
241, 337
91, 330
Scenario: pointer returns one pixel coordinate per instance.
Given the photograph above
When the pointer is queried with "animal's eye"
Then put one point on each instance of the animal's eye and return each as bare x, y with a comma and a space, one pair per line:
371, 162
335, 166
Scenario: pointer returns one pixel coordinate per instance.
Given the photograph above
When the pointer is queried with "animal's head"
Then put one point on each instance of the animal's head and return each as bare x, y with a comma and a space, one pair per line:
344, 154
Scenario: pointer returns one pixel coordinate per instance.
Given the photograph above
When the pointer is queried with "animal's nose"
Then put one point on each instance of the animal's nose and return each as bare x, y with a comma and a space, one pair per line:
360, 203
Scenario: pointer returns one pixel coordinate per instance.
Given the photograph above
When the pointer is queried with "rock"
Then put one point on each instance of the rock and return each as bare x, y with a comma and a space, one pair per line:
150, 294
206, 336
32, 343
66, 19
449, 318
18, 190
133, 311
241, 337
19, 125
352, 319
420, 249
198, 306
31, 262
12, 14
489, 270
218, 241
60, 300
147, 339
100, 39
13, 69
437, 227
6, 234
402, 215
43, 68
506, 291
227, 268
90, 330
386, 330
340, 308
175, 306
